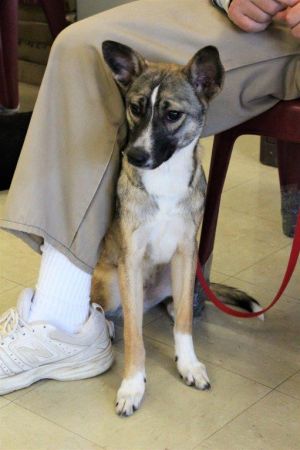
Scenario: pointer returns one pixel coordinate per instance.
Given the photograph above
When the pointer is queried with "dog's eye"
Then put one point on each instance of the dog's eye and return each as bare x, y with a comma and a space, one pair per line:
173, 116
135, 109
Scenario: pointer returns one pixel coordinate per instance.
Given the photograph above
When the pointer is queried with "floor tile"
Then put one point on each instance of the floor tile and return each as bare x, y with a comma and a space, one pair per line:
6, 285
218, 277
28, 93
20, 429
291, 386
13, 246
271, 424
19, 269
267, 352
18, 262
19, 393
3, 195
4, 402
9, 298
258, 197
242, 241
173, 416
268, 273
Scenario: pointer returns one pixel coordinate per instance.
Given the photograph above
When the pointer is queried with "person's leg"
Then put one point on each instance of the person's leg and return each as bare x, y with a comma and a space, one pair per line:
63, 186
75, 130
64, 183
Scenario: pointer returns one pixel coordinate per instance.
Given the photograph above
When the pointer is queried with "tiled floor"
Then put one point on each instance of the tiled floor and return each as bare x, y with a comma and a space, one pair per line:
254, 366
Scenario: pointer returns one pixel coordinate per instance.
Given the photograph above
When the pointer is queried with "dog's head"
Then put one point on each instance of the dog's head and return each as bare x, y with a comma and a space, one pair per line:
165, 103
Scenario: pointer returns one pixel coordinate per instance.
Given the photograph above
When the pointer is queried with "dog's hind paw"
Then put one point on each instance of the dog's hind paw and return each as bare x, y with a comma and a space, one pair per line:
195, 374
130, 394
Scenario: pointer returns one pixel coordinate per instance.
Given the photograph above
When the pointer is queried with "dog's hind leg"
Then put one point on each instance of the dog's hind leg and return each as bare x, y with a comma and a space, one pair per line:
183, 277
105, 286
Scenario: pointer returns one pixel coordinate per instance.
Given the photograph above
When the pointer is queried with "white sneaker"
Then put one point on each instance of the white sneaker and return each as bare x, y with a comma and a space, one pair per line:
33, 351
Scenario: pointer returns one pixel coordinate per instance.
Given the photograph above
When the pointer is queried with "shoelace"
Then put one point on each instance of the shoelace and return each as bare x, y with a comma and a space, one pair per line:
9, 322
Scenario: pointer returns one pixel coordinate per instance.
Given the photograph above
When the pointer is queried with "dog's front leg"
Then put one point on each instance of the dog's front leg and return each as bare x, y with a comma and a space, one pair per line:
183, 277
132, 388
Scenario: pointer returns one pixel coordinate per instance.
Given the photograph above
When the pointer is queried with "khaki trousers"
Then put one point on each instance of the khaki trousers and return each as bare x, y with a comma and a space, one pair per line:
63, 188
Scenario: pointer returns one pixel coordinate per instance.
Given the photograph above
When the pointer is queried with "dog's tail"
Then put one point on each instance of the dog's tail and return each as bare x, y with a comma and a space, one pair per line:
235, 297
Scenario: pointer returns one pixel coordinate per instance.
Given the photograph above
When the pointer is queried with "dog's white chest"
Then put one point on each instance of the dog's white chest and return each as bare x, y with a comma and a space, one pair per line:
168, 185
163, 234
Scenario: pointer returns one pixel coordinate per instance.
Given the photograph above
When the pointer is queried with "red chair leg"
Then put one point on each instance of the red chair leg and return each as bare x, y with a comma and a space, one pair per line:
55, 13
289, 177
221, 154
9, 94
3, 86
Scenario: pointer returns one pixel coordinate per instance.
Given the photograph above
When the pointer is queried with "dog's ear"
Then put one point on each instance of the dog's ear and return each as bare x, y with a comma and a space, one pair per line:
205, 72
126, 64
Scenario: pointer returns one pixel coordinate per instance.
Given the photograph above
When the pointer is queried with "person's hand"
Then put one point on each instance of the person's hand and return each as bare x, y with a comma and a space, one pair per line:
291, 16
254, 15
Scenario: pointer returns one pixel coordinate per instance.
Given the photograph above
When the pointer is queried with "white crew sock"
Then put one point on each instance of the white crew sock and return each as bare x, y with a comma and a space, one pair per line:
62, 295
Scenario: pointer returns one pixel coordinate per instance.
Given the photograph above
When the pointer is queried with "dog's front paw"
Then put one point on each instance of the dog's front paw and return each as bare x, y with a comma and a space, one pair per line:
130, 394
194, 374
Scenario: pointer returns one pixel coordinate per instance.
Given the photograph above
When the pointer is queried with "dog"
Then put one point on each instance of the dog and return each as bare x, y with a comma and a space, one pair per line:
149, 252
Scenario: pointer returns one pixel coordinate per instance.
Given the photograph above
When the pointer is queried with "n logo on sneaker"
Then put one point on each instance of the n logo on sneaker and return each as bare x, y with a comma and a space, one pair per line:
33, 355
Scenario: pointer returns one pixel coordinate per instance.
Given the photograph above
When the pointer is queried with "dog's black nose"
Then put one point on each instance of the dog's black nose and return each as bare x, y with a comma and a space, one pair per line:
137, 157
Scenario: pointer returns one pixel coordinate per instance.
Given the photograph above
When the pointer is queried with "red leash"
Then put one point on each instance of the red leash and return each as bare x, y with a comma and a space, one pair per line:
295, 250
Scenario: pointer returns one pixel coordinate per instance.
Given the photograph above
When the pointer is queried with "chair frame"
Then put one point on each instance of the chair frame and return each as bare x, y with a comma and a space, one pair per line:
281, 122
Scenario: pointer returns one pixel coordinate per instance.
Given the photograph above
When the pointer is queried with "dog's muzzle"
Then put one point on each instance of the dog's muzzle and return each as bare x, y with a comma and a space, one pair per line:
138, 157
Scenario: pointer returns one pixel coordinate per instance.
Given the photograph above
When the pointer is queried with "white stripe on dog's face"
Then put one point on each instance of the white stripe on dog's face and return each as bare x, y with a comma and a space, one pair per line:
145, 140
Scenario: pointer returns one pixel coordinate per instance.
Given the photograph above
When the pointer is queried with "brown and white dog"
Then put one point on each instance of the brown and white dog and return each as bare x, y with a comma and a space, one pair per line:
149, 252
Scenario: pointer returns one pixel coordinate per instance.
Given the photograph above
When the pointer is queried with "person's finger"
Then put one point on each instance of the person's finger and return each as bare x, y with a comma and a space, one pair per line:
281, 16
293, 16
270, 7
257, 14
288, 2
249, 25
248, 16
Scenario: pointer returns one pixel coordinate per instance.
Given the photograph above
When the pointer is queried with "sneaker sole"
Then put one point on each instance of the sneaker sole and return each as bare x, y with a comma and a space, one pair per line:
59, 371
